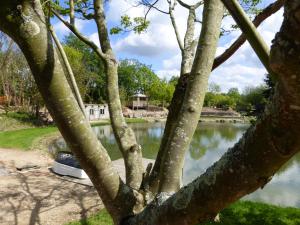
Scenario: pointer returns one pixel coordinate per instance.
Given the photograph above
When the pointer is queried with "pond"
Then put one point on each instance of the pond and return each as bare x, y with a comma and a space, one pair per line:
210, 142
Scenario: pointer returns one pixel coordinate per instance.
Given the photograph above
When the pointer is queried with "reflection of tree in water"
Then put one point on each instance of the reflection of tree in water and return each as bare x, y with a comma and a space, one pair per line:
228, 133
203, 140
210, 136
206, 137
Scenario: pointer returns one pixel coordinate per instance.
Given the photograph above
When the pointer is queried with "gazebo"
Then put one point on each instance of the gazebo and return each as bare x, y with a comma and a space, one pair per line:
138, 101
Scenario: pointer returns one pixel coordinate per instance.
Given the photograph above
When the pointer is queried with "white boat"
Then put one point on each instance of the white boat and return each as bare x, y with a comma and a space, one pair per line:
66, 164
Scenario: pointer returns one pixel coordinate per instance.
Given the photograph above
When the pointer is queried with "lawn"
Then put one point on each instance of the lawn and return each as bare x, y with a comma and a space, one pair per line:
240, 213
23, 139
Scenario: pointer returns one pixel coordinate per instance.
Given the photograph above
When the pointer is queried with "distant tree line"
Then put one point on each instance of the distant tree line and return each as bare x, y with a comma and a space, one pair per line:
18, 86
251, 101
134, 76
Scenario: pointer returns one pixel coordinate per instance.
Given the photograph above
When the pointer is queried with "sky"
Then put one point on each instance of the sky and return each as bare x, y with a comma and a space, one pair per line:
158, 46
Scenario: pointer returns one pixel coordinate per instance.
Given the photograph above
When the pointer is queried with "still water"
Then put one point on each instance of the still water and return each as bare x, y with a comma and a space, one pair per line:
210, 142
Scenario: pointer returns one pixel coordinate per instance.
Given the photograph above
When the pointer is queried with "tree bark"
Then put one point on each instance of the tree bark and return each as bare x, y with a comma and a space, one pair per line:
265, 147
25, 24
125, 136
187, 48
188, 117
253, 36
68, 69
268, 11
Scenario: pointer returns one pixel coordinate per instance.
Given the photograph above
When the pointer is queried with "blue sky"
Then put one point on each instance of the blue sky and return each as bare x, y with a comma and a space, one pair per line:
158, 46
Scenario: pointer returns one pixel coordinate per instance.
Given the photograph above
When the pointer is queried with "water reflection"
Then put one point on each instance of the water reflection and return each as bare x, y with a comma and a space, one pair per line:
209, 143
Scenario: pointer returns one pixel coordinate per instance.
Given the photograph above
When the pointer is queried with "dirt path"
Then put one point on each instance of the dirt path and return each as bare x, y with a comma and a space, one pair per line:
38, 196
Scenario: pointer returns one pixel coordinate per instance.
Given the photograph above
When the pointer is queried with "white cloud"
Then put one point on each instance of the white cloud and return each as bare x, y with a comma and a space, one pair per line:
159, 38
241, 70
62, 30
167, 74
95, 38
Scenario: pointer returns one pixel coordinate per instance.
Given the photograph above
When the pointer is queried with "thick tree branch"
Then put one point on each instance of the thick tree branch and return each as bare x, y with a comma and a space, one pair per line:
266, 13
28, 29
187, 54
189, 45
180, 89
265, 147
245, 24
68, 69
72, 12
187, 120
125, 136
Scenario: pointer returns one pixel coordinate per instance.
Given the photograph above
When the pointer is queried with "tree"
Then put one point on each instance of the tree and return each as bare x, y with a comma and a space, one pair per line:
93, 77
136, 77
249, 165
17, 84
253, 98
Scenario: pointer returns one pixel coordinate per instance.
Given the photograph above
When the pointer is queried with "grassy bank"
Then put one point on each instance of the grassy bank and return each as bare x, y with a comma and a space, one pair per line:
17, 120
23, 139
240, 213
128, 120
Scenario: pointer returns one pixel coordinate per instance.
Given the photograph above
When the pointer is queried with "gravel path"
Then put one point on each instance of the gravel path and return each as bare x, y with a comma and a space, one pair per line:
37, 196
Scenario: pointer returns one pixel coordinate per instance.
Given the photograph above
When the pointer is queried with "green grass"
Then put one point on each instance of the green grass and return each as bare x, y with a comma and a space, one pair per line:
17, 120
102, 218
23, 139
240, 213
253, 213
135, 120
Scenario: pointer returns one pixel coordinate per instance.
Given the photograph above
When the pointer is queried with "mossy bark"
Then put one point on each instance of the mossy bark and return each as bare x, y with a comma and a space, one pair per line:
264, 148
189, 114
25, 23
125, 136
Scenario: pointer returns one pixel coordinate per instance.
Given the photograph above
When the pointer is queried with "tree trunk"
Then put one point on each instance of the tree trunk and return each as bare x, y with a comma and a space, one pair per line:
28, 29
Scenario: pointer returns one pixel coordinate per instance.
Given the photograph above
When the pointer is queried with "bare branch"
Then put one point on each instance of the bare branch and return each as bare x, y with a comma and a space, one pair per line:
80, 36
72, 13
188, 117
267, 12
183, 4
253, 36
125, 136
179, 41
69, 70
151, 5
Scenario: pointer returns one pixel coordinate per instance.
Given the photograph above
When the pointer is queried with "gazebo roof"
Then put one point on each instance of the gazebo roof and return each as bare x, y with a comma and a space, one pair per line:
139, 95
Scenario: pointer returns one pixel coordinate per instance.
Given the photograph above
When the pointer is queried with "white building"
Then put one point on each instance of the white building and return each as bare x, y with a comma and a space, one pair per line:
96, 112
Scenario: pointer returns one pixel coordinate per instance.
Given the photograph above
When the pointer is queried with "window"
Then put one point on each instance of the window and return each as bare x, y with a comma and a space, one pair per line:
91, 111
102, 111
